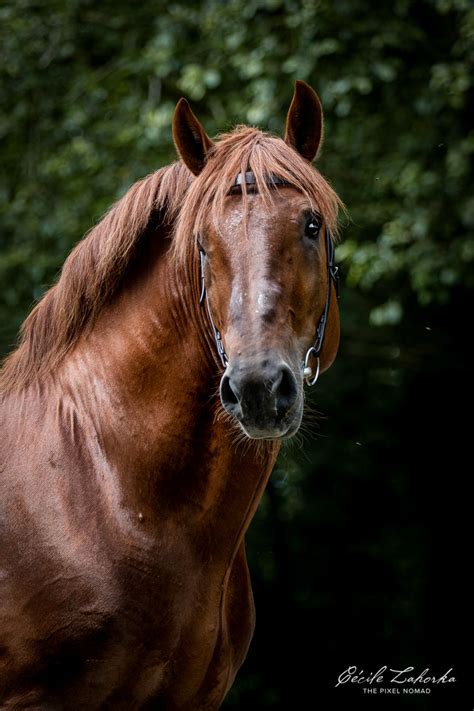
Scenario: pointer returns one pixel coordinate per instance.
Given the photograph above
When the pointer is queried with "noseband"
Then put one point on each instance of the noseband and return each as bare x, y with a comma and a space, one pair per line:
314, 351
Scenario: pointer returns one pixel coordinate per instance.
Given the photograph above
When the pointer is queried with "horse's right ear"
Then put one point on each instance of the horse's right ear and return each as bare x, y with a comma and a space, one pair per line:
190, 138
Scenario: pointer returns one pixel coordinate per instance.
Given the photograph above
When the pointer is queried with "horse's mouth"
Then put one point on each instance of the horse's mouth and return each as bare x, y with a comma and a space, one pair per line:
274, 429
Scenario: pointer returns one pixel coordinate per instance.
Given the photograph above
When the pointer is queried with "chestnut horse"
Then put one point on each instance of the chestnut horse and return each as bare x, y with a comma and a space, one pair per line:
141, 416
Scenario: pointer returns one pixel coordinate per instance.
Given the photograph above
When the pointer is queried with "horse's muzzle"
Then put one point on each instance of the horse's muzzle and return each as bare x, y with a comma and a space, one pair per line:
264, 398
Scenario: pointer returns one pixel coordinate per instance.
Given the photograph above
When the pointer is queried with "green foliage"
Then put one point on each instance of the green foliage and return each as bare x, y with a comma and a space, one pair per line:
88, 92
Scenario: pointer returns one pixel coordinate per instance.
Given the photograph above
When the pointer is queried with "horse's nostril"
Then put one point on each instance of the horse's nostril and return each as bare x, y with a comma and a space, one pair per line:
286, 390
229, 393
231, 397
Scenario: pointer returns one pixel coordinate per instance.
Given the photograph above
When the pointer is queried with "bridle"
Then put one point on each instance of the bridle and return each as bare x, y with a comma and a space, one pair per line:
314, 351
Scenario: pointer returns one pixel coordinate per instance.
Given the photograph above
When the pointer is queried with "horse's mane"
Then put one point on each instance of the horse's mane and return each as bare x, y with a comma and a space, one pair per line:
249, 149
91, 274
96, 267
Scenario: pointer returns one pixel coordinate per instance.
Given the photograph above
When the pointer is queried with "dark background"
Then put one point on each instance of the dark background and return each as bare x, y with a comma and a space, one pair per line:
360, 551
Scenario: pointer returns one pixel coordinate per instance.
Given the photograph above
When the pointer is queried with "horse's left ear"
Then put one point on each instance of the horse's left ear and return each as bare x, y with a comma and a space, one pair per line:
304, 123
190, 138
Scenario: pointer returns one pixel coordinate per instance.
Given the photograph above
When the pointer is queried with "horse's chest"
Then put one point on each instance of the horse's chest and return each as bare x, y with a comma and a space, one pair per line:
195, 634
185, 637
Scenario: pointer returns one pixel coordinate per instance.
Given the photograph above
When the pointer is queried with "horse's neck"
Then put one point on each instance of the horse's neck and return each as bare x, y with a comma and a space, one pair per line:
148, 377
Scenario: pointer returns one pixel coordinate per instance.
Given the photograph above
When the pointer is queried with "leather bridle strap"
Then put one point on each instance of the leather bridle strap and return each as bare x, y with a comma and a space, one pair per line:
250, 179
203, 297
332, 278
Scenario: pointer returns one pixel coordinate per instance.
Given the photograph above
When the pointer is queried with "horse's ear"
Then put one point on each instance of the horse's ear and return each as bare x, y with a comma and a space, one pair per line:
190, 138
304, 123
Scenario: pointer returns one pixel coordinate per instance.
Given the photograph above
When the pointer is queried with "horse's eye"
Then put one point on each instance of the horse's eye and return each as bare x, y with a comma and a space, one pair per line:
313, 227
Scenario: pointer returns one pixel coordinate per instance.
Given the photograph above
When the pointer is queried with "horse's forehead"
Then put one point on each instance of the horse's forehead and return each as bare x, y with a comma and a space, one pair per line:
287, 206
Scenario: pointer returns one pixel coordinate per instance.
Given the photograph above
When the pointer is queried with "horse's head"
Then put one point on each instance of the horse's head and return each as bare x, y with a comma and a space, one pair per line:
261, 217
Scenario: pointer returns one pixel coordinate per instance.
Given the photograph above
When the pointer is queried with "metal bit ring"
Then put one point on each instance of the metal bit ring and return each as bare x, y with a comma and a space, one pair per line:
308, 371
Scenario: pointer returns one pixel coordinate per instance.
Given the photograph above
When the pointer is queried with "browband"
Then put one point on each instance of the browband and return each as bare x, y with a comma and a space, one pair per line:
250, 179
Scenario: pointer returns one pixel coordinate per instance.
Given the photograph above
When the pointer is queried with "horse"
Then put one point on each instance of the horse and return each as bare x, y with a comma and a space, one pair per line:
141, 415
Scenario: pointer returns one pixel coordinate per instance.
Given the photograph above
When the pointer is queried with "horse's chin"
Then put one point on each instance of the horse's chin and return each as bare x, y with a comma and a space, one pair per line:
275, 431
